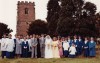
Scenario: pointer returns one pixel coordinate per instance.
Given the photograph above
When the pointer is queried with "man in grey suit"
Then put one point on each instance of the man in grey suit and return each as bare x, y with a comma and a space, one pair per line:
34, 47
42, 45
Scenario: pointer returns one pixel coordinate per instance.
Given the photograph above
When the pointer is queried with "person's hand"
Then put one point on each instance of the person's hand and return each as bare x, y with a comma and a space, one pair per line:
33, 46
85, 47
48, 46
42, 44
55, 46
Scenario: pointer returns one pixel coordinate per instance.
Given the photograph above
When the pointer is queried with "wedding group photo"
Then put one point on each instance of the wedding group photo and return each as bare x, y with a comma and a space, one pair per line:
50, 31
41, 46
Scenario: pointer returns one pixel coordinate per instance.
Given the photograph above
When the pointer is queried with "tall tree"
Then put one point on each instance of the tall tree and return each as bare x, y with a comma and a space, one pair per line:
4, 29
98, 23
53, 8
38, 27
77, 17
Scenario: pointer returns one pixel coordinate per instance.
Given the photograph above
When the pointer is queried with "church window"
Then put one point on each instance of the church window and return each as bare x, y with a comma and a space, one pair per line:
26, 10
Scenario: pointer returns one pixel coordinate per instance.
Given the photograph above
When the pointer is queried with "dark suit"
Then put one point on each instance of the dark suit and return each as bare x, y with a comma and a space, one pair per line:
86, 50
25, 49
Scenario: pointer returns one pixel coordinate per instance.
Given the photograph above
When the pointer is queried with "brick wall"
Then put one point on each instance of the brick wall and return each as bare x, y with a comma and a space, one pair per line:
24, 19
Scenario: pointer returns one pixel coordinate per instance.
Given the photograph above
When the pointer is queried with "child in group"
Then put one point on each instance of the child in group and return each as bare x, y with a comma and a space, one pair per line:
65, 47
72, 51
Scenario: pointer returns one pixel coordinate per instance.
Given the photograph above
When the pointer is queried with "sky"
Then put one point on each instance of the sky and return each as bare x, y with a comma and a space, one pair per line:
8, 11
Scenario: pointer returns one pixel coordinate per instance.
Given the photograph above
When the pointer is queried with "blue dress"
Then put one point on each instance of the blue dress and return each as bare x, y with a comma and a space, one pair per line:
25, 49
86, 50
92, 51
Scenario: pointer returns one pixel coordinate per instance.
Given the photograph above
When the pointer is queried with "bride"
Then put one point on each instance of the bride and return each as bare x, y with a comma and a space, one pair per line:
48, 47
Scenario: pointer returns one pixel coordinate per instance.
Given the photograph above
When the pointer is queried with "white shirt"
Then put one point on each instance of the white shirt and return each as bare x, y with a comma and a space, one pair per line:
92, 41
79, 40
10, 45
65, 45
22, 40
75, 40
3, 44
86, 41
72, 50
69, 40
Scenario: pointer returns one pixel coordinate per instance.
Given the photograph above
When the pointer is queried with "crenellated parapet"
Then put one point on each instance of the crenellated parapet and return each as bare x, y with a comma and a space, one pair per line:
25, 2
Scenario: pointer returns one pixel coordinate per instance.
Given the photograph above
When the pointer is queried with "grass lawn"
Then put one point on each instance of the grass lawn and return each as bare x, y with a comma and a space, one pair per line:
80, 59
61, 60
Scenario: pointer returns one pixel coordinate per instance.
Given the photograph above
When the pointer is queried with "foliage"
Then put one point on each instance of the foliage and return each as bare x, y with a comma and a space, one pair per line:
4, 29
77, 17
98, 23
53, 15
38, 27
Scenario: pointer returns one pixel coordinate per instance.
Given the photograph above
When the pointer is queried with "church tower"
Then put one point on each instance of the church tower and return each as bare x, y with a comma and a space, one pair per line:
25, 15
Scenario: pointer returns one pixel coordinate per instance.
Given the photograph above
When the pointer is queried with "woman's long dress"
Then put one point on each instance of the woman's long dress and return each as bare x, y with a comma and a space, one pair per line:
18, 47
55, 49
92, 51
60, 49
48, 48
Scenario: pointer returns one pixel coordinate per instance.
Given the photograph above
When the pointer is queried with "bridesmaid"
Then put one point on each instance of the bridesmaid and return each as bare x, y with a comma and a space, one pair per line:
55, 49
60, 48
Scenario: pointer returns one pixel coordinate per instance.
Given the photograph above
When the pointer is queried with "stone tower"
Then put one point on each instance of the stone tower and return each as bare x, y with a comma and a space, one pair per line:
25, 15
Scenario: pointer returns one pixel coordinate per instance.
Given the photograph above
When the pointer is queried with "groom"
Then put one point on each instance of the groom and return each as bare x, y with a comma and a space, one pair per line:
42, 45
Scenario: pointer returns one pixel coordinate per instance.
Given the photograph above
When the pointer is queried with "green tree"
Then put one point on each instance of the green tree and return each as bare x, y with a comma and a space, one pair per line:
77, 17
38, 27
53, 8
4, 29
98, 23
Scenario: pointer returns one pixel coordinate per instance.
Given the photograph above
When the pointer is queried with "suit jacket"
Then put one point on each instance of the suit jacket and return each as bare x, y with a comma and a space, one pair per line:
42, 41
34, 42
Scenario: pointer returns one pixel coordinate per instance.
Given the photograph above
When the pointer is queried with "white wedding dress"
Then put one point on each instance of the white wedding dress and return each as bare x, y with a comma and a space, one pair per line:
48, 48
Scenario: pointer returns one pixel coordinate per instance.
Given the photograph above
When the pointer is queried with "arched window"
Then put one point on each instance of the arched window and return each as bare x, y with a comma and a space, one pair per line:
26, 11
